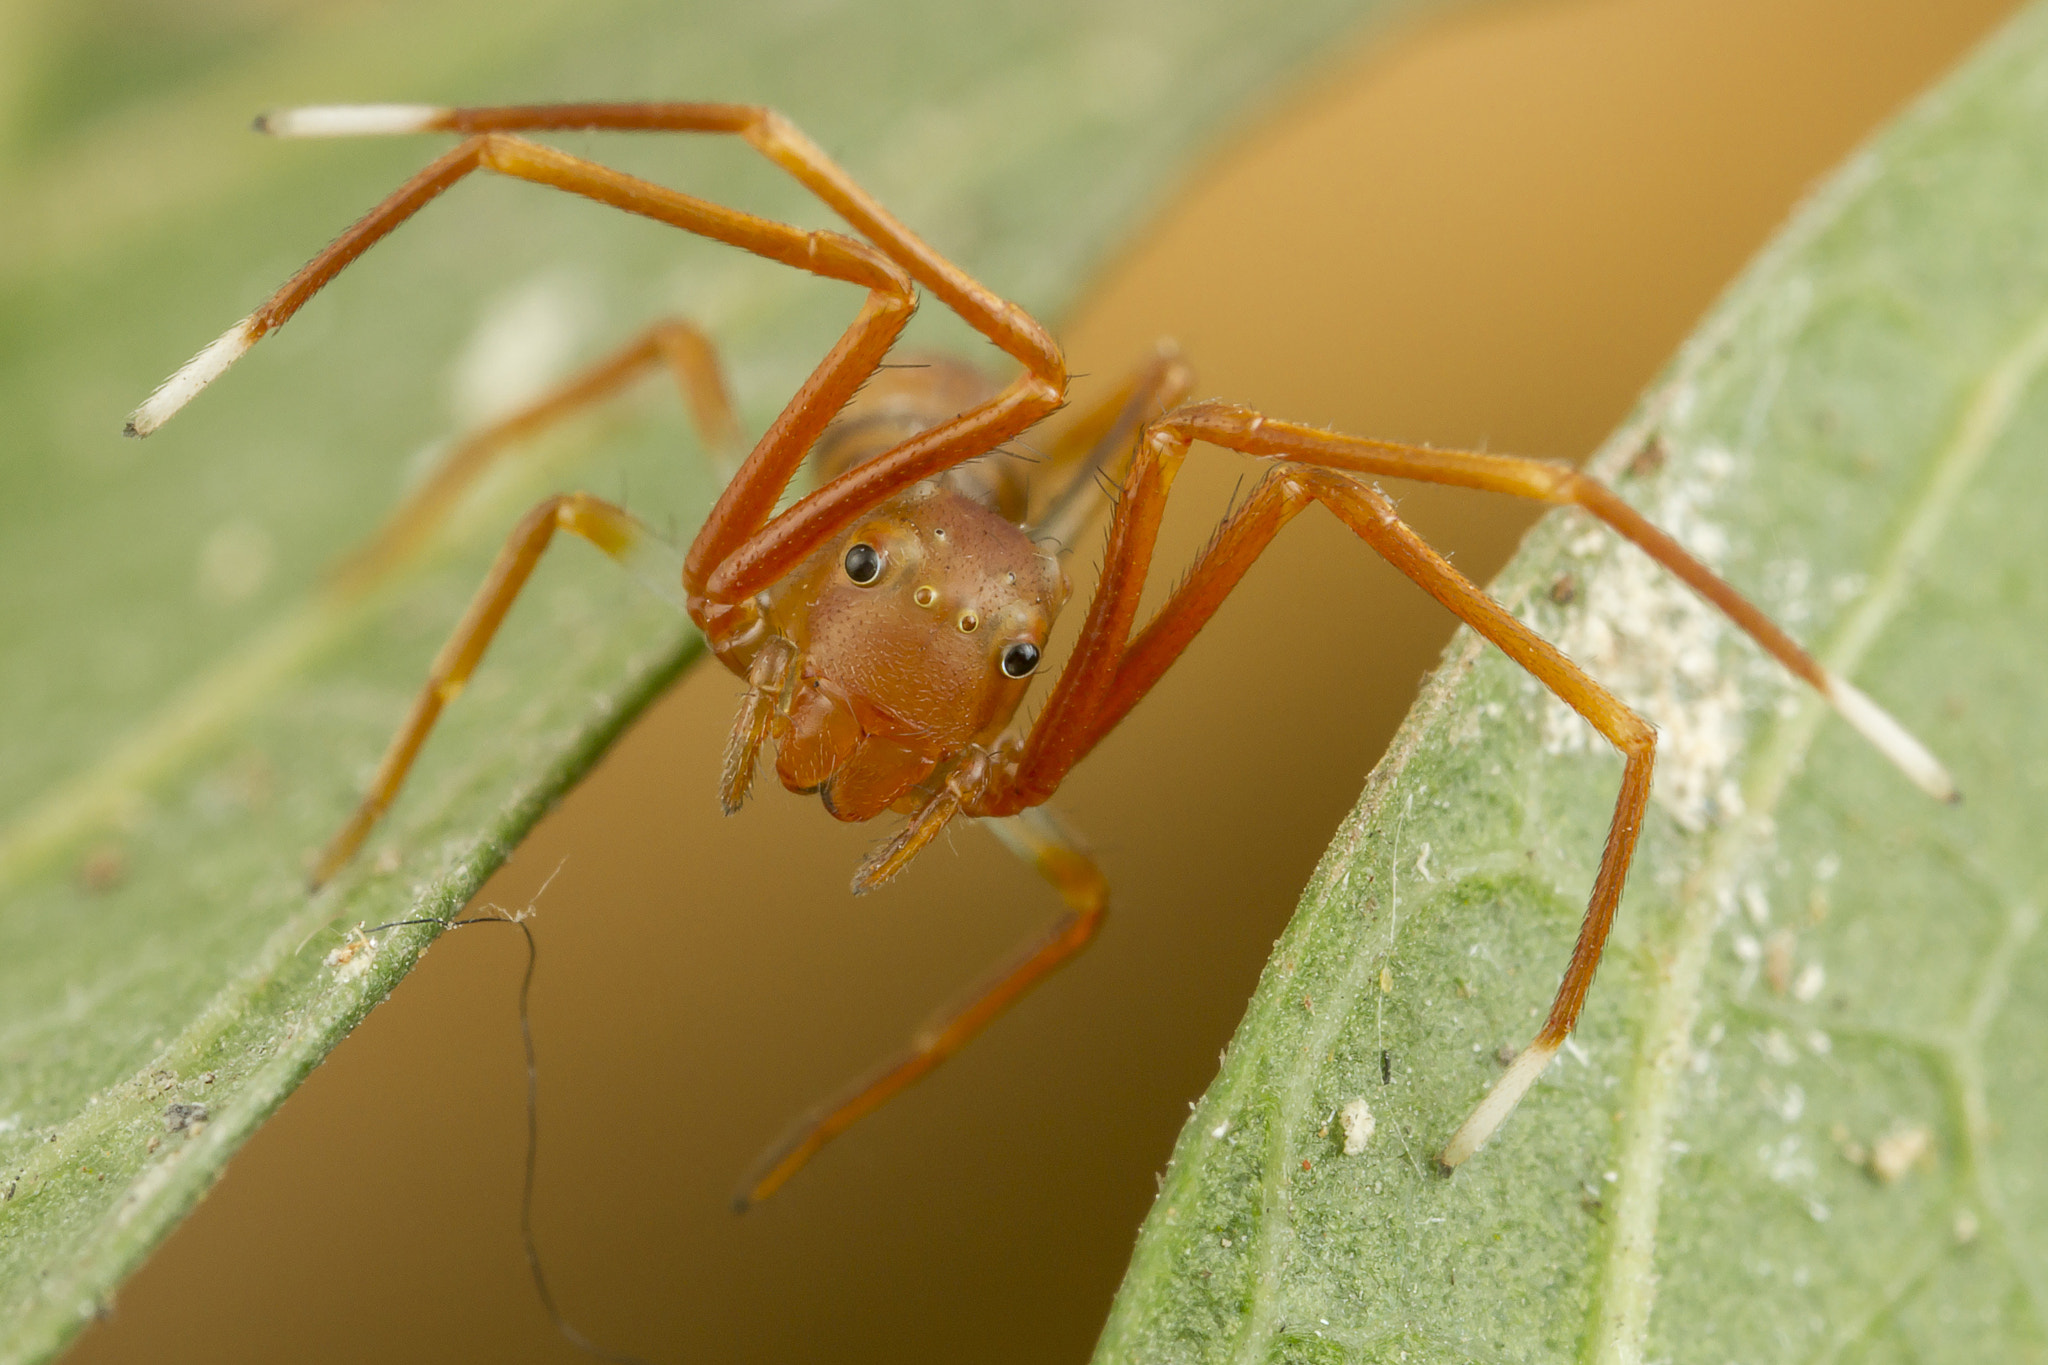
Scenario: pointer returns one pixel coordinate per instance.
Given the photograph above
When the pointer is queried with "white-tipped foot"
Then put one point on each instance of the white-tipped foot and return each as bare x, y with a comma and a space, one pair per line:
194, 375
1500, 1101
1892, 739
350, 120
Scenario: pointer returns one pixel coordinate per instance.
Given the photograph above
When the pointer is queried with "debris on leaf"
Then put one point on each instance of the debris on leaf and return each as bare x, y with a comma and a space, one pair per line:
1358, 1126
184, 1118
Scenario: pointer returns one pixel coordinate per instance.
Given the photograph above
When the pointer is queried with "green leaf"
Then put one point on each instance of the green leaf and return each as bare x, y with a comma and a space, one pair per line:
1805, 1115
190, 710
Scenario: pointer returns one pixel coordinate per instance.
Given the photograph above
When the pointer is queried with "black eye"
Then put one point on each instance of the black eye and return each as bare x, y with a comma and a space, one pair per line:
863, 563
1019, 660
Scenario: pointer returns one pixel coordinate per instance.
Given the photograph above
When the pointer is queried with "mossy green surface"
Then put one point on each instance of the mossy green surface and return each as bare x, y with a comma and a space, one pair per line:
1804, 1118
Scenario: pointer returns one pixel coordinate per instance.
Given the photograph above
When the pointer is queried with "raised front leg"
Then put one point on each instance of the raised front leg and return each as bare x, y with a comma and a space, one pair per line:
750, 498
768, 132
741, 551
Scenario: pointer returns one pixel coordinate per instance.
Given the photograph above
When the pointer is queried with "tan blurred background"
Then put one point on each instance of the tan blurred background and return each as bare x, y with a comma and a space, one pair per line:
1492, 232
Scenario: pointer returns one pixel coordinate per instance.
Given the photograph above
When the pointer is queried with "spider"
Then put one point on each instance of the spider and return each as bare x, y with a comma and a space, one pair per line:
889, 624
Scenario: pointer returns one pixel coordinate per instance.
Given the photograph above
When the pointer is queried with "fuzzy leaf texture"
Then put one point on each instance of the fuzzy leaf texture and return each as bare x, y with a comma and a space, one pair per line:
190, 710
1805, 1117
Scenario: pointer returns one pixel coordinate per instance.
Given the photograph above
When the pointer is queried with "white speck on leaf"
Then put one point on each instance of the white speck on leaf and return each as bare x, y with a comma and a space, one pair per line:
1898, 1151
1359, 1125
353, 957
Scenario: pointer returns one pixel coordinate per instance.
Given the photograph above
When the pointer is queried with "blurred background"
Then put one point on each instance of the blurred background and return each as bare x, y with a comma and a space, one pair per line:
1490, 231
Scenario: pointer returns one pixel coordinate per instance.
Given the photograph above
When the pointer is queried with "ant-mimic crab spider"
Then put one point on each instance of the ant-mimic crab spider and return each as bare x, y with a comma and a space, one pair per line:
888, 624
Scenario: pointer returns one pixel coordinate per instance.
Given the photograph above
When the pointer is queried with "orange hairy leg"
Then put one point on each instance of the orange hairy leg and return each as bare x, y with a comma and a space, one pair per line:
1099, 442
828, 254
1367, 511
610, 528
739, 551
1241, 429
1369, 514
690, 359
1036, 837
1111, 670
1114, 692
769, 133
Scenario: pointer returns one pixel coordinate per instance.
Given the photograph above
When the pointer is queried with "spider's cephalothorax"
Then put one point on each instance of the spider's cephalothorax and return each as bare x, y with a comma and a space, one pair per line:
911, 638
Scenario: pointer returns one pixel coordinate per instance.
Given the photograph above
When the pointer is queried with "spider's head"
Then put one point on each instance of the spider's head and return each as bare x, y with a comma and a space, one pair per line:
918, 632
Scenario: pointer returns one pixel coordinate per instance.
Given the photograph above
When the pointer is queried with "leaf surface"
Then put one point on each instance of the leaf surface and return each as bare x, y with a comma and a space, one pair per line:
1805, 1116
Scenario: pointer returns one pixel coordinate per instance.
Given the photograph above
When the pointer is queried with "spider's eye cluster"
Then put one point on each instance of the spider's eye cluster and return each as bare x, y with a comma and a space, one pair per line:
863, 563
1019, 660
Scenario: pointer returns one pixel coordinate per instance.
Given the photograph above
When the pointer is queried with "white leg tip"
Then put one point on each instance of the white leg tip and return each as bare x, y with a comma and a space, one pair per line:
194, 375
1500, 1101
1892, 739
350, 120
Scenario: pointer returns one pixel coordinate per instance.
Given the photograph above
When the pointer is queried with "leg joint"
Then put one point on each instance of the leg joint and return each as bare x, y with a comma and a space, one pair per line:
1636, 737
1225, 424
